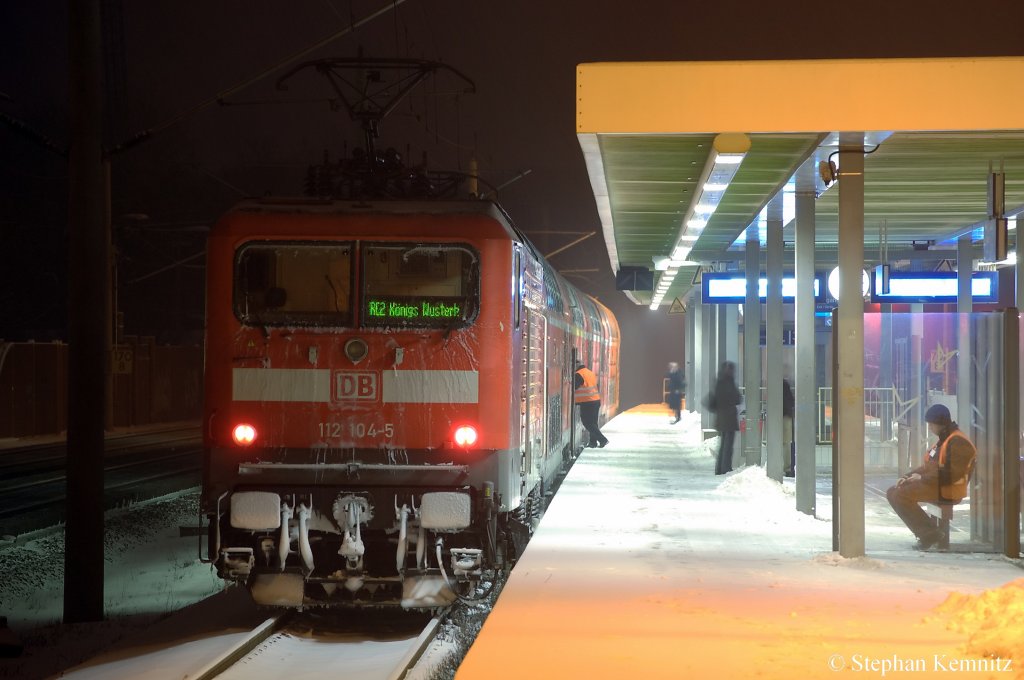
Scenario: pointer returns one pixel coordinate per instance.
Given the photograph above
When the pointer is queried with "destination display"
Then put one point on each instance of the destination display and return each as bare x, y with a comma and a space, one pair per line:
412, 310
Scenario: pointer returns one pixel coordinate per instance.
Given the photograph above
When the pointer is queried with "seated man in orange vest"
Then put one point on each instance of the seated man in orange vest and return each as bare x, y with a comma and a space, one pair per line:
941, 477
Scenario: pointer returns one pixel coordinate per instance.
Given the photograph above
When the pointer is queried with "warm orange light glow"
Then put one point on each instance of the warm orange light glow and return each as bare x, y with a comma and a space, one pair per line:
465, 436
244, 434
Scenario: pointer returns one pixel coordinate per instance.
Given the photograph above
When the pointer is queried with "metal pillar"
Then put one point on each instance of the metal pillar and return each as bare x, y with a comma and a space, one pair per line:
964, 307
1018, 274
692, 392
752, 352
699, 361
915, 415
773, 341
849, 392
806, 411
1011, 433
709, 365
721, 333
885, 410
87, 303
732, 340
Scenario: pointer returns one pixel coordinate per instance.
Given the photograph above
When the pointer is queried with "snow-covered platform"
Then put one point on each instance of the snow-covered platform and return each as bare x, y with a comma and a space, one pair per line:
647, 565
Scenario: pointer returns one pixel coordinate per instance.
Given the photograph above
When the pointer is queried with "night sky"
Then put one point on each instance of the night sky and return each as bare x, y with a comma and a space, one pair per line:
165, 57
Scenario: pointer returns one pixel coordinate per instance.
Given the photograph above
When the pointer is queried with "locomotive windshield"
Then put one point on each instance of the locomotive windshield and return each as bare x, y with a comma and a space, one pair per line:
307, 284
416, 284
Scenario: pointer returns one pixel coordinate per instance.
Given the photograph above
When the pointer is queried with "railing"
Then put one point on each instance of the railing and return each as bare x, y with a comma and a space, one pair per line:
879, 413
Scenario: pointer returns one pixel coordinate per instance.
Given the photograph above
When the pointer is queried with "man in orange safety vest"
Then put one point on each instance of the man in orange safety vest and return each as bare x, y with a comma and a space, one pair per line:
941, 478
588, 401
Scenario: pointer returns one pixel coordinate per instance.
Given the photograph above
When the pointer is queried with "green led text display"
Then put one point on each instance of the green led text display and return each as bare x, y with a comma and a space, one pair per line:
424, 309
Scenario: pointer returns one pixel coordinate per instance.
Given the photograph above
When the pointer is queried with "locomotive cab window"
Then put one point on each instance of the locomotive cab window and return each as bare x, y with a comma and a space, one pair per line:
425, 285
291, 284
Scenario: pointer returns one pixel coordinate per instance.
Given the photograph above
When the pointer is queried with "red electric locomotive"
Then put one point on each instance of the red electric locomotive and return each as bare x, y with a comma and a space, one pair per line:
388, 393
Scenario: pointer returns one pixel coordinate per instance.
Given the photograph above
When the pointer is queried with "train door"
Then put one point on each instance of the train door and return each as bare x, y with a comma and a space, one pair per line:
570, 381
535, 389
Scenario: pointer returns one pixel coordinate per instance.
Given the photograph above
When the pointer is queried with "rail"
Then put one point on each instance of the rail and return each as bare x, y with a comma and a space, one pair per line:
275, 631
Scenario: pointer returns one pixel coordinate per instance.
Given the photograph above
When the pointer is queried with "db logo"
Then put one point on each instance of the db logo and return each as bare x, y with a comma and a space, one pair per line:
357, 385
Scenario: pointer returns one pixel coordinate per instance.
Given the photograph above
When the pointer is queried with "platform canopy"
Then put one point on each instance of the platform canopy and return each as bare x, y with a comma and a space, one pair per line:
684, 156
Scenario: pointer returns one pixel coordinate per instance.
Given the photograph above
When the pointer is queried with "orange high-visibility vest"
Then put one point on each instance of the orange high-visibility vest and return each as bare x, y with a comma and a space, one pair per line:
588, 390
956, 488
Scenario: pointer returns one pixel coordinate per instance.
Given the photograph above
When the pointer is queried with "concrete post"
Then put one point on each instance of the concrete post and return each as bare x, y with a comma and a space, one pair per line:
699, 359
773, 342
806, 395
849, 392
732, 341
88, 300
752, 352
689, 371
709, 364
964, 307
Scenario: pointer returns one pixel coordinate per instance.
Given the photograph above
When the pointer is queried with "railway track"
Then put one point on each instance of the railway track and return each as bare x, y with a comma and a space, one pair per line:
136, 467
301, 646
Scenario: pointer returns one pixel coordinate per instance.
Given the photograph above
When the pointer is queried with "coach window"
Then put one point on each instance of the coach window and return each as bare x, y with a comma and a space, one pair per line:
417, 284
294, 284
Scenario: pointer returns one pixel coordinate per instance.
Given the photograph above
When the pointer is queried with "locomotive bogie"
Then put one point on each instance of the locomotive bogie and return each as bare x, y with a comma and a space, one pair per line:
369, 543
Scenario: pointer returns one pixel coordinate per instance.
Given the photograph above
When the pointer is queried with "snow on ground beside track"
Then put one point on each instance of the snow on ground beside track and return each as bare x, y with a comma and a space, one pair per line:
150, 571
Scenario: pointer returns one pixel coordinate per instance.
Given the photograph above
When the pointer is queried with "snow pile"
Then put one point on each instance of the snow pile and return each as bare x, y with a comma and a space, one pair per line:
690, 427
993, 621
752, 482
710, 446
834, 559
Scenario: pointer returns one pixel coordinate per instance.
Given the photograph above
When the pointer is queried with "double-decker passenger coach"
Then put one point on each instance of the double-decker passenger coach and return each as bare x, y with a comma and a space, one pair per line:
388, 395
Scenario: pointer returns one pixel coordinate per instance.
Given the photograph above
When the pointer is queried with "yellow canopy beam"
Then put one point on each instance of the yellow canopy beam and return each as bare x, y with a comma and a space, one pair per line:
963, 94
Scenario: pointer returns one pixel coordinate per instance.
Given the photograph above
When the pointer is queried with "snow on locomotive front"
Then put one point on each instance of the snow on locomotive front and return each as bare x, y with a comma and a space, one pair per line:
358, 431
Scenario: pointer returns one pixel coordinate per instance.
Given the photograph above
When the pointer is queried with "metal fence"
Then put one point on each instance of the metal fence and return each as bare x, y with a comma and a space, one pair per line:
879, 414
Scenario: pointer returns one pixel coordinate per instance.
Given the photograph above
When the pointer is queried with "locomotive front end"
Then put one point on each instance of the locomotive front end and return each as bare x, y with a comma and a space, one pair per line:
349, 460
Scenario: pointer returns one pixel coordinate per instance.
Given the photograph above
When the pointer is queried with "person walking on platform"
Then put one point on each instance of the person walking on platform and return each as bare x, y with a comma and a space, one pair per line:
588, 401
943, 476
788, 408
676, 386
724, 401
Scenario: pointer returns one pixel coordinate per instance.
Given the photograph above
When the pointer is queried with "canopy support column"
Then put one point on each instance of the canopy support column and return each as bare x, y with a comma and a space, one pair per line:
752, 352
773, 342
848, 399
806, 396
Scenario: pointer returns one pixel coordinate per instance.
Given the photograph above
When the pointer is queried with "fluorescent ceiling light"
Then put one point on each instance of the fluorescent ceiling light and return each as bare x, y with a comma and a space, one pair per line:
727, 152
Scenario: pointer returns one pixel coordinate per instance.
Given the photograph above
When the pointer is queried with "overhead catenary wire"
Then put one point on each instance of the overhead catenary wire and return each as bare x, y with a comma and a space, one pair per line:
215, 99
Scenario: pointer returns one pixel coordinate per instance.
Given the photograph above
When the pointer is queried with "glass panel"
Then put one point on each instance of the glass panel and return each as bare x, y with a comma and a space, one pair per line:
300, 284
913, 362
433, 285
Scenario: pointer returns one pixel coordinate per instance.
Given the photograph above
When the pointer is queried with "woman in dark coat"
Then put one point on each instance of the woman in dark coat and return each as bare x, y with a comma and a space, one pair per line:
676, 386
726, 399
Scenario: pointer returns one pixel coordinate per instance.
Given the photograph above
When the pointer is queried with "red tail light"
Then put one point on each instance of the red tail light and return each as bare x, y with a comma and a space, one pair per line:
465, 436
244, 434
